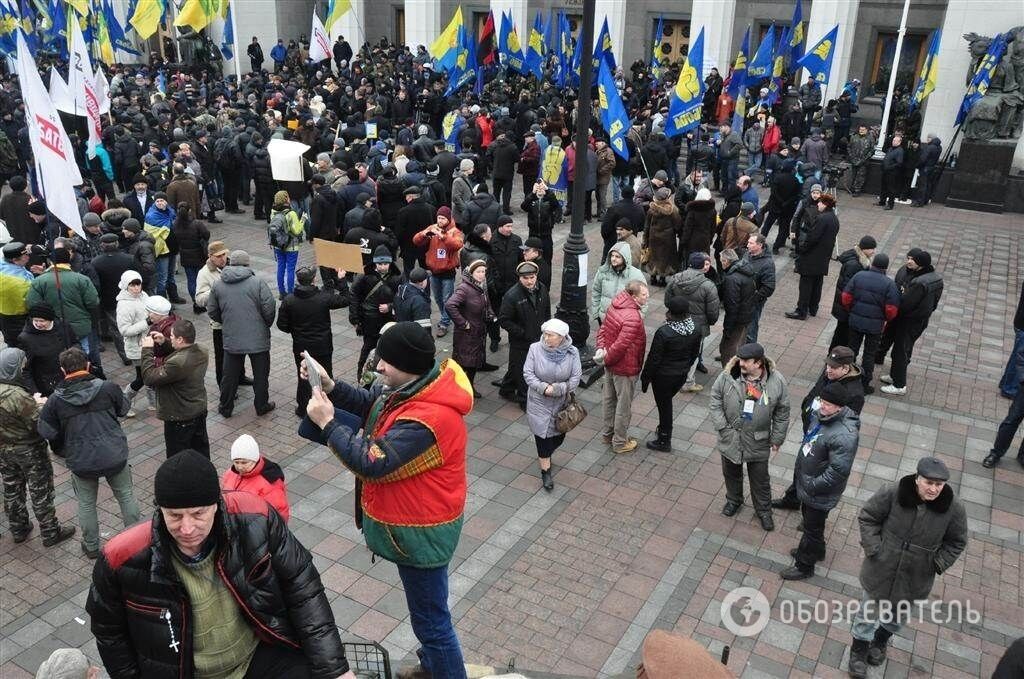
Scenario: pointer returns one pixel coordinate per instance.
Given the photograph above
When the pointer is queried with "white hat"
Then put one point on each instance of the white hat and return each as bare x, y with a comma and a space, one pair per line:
64, 663
158, 305
555, 325
245, 448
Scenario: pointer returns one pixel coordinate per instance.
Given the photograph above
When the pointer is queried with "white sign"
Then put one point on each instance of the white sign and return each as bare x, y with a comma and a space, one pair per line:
286, 160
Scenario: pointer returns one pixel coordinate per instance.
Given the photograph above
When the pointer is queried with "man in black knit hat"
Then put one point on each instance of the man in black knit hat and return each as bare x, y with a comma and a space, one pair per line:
212, 585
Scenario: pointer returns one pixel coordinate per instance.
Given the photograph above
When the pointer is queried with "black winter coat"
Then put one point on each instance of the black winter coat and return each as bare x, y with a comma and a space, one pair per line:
852, 383
785, 193
413, 218
481, 209
543, 213
261, 173
412, 304
825, 459
324, 215
737, 294
815, 246
504, 156
390, 199
108, 267
80, 420
192, 238
305, 314
42, 347
367, 297
907, 545
872, 299
138, 609
522, 313
851, 262
920, 292
763, 267
675, 347
506, 255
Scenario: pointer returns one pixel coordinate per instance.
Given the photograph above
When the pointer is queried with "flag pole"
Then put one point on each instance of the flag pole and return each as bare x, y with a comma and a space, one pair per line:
892, 81
234, 46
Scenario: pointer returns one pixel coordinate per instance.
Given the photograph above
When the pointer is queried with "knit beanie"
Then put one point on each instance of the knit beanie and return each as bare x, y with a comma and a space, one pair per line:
445, 211
880, 261
867, 243
697, 260
186, 479
920, 257
245, 448
281, 199
64, 663
44, 311
408, 346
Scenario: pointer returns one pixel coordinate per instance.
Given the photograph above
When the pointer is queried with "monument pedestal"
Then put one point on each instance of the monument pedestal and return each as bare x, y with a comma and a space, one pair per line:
982, 176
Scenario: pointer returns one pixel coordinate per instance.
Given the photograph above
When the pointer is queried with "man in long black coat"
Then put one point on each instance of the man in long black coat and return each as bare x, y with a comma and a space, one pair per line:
524, 308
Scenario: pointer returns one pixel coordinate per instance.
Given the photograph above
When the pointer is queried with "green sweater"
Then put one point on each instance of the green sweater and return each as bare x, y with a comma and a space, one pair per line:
222, 641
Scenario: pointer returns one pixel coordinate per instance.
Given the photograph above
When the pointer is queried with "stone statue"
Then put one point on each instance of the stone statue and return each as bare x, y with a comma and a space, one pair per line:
1000, 113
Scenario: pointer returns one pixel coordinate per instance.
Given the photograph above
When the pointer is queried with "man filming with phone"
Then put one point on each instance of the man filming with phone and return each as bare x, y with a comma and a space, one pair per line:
405, 440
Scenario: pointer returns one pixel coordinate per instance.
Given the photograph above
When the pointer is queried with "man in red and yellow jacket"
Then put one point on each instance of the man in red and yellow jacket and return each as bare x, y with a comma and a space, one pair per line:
405, 440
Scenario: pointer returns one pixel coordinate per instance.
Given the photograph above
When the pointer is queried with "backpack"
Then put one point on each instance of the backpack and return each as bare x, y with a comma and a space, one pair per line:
277, 232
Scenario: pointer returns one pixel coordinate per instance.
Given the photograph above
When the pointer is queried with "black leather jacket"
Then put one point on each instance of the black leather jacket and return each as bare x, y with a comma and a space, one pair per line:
141, 617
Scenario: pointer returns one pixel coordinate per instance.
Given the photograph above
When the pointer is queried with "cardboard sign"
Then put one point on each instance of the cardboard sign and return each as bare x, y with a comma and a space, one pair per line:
333, 255
286, 160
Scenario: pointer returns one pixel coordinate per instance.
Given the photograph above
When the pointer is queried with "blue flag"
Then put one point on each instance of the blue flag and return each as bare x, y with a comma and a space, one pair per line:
613, 113
577, 61
929, 72
760, 67
26, 23
818, 61
659, 36
535, 48
796, 35
687, 96
509, 47
564, 51
603, 48
982, 76
451, 126
738, 79
778, 69
554, 170
227, 40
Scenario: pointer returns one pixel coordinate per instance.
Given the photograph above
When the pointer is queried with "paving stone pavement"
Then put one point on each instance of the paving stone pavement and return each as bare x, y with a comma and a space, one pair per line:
572, 581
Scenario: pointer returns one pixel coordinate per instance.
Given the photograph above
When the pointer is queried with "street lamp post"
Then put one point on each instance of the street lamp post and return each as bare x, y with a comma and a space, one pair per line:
572, 304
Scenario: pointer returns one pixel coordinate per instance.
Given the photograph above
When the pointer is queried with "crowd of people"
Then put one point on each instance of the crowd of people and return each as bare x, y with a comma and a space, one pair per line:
423, 183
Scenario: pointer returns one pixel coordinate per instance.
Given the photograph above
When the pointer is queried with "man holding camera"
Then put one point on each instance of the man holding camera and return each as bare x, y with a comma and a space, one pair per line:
179, 383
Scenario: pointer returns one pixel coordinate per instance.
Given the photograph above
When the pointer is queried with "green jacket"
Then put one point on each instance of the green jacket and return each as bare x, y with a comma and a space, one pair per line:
179, 382
19, 414
75, 303
295, 228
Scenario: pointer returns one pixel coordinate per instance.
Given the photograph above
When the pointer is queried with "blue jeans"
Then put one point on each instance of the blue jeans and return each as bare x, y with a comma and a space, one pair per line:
286, 261
160, 278
1010, 382
754, 320
618, 183
426, 593
442, 288
191, 274
730, 168
756, 159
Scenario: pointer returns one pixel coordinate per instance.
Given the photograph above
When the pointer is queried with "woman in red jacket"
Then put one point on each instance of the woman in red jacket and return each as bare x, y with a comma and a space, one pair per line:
255, 474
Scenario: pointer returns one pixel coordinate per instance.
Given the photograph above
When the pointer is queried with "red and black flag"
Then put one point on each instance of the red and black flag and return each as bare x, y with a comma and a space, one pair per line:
486, 52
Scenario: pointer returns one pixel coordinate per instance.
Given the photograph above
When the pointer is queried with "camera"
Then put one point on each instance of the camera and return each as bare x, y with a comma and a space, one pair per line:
833, 173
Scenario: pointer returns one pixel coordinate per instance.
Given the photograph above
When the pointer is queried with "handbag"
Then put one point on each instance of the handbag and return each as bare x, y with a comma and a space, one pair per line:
569, 415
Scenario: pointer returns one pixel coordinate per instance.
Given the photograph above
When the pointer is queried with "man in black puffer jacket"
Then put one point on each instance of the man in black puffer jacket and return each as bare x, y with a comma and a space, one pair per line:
211, 584
481, 209
737, 294
80, 421
324, 218
305, 314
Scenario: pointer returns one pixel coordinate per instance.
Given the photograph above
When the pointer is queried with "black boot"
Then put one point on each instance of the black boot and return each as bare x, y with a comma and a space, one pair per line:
662, 442
858, 665
878, 647
545, 477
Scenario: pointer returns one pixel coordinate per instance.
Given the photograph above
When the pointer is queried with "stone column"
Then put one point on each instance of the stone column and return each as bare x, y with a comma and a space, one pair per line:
423, 22
824, 15
984, 17
615, 10
352, 25
520, 17
716, 17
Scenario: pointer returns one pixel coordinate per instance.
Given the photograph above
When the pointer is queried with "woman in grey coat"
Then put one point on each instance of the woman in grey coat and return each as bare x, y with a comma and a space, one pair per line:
552, 371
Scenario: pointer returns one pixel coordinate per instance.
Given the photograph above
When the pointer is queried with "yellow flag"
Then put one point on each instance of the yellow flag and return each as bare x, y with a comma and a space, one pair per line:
449, 38
335, 11
197, 13
147, 17
81, 6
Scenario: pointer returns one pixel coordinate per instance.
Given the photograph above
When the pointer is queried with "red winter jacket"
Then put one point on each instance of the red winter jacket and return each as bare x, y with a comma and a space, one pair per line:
623, 336
266, 480
772, 137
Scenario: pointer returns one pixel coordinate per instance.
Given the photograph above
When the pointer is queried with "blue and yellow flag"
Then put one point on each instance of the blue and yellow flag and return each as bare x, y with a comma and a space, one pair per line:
659, 37
148, 15
982, 77
445, 47
613, 114
603, 48
535, 50
738, 78
227, 38
198, 13
564, 51
509, 46
554, 170
684, 103
778, 69
8, 29
760, 67
577, 61
818, 61
335, 10
796, 35
929, 72
450, 128
106, 45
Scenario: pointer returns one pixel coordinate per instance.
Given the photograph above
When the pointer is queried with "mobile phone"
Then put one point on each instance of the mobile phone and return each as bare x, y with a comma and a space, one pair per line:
312, 373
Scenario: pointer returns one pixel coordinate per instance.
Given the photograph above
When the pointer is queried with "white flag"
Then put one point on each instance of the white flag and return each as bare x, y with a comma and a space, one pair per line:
50, 144
102, 90
60, 95
82, 84
319, 41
